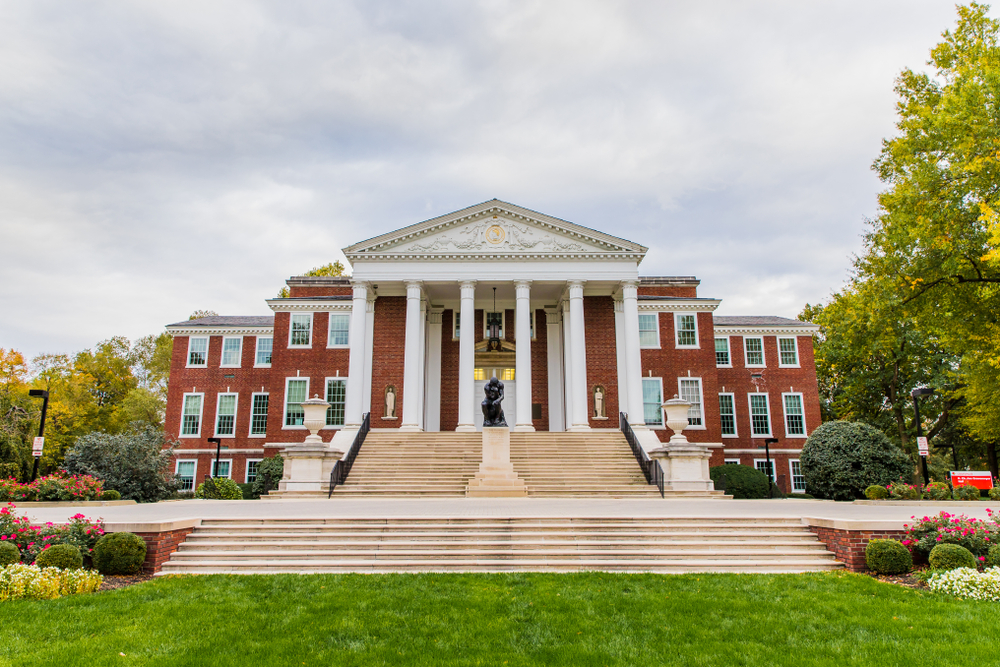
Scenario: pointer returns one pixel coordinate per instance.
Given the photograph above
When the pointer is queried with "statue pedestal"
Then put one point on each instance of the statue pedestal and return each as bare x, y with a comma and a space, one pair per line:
685, 465
496, 477
307, 470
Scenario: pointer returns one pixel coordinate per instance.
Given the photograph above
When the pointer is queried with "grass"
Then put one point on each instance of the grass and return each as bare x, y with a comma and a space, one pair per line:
516, 619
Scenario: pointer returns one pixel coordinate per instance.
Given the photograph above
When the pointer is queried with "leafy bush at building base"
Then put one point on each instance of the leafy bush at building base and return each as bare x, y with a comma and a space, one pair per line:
119, 553
269, 469
9, 554
742, 482
993, 556
888, 557
968, 583
951, 556
875, 492
111, 494
995, 493
30, 582
63, 556
841, 459
937, 491
903, 491
966, 492
219, 488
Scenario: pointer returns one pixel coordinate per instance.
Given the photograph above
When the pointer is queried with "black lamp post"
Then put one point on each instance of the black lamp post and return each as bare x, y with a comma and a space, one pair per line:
916, 394
493, 326
44, 394
218, 451
770, 469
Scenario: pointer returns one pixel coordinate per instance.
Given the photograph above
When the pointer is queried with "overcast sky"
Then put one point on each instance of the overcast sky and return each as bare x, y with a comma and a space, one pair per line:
162, 157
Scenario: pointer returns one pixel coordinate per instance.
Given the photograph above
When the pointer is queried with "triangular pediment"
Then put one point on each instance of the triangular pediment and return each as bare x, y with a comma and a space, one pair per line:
494, 229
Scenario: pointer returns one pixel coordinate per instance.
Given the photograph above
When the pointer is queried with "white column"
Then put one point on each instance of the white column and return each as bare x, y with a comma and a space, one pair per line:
553, 331
633, 357
432, 390
567, 387
369, 353
522, 359
581, 411
411, 360
620, 357
467, 358
422, 384
356, 366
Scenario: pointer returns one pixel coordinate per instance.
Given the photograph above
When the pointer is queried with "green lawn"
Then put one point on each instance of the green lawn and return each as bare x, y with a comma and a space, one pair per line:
517, 619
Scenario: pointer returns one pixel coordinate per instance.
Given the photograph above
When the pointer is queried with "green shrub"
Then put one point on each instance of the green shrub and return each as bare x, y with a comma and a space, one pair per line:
111, 494
966, 492
876, 492
995, 493
950, 556
993, 556
9, 554
742, 482
903, 491
247, 490
10, 471
63, 556
219, 488
119, 553
937, 491
842, 459
888, 557
272, 468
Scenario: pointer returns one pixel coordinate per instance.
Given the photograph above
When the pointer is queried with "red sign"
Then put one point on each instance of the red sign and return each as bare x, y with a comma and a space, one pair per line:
981, 479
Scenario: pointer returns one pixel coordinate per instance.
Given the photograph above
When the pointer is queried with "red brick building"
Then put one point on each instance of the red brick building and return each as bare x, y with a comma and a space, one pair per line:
556, 311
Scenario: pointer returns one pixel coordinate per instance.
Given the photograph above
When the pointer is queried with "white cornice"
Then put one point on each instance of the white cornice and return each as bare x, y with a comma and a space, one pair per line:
219, 331
678, 305
765, 330
286, 306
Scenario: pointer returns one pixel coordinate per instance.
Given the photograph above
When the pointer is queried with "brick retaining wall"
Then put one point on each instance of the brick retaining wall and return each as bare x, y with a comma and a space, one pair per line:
849, 545
162, 539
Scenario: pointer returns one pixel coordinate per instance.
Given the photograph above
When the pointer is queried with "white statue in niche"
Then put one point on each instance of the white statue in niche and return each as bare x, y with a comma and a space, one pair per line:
390, 402
599, 402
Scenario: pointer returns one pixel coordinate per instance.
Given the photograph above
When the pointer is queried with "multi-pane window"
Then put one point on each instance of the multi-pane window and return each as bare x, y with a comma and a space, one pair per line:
798, 479
766, 467
722, 352
253, 465
191, 415
264, 346
727, 414
340, 328
788, 351
649, 330
300, 331
691, 392
760, 416
258, 415
335, 392
232, 350
197, 352
185, 471
734, 462
458, 324
296, 391
795, 420
531, 324
652, 401
687, 330
225, 415
754, 348
222, 468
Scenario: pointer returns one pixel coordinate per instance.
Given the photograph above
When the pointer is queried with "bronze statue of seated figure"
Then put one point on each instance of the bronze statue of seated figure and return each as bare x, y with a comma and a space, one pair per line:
492, 410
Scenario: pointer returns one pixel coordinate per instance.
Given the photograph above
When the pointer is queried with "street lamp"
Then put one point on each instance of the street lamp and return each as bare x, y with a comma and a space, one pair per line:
770, 470
218, 451
39, 443
918, 393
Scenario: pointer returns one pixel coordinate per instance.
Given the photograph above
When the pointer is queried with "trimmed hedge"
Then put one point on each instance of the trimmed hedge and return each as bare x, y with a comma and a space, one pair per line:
111, 494
9, 554
63, 556
995, 493
842, 459
888, 557
937, 491
219, 488
876, 492
119, 553
966, 492
742, 482
951, 556
993, 556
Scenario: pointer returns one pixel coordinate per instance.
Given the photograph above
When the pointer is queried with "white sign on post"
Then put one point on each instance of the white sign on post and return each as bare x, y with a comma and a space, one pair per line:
36, 446
922, 447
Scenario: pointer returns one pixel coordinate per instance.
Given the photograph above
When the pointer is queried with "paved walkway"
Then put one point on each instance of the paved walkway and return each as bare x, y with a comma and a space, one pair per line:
504, 507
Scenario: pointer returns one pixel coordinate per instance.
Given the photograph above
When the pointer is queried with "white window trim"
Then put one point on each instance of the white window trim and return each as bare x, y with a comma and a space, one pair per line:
236, 412
736, 423
246, 469
284, 407
795, 340
770, 414
729, 352
774, 468
250, 433
194, 475
329, 330
746, 354
211, 466
326, 383
701, 398
239, 354
291, 317
455, 317
503, 322
784, 415
677, 332
532, 322
257, 349
201, 415
734, 462
656, 329
207, 345
663, 420
791, 475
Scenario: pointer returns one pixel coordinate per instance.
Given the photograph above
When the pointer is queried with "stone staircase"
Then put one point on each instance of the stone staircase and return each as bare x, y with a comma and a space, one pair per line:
667, 545
551, 464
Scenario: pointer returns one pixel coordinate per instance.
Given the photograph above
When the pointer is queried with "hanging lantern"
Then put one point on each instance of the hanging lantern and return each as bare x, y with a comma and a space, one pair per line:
493, 323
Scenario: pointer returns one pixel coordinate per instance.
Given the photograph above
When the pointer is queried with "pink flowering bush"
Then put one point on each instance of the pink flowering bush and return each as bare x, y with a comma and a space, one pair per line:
58, 487
32, 539
975, 535
903, 491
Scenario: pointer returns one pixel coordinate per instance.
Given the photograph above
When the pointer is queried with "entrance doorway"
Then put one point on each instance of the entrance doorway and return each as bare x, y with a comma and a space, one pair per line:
505, 375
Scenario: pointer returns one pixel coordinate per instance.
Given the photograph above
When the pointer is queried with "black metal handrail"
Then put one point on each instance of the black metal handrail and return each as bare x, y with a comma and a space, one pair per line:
342, 468
650, 468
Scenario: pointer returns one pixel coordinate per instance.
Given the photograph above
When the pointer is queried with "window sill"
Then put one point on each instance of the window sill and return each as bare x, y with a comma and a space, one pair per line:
687, 347
294, 428
338, 347
227, 437
257, 435
724, 366
756, 366
734, 436
790, 366
262, 365
332, 428
190, 437
198, 366
797, 437
299, 347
